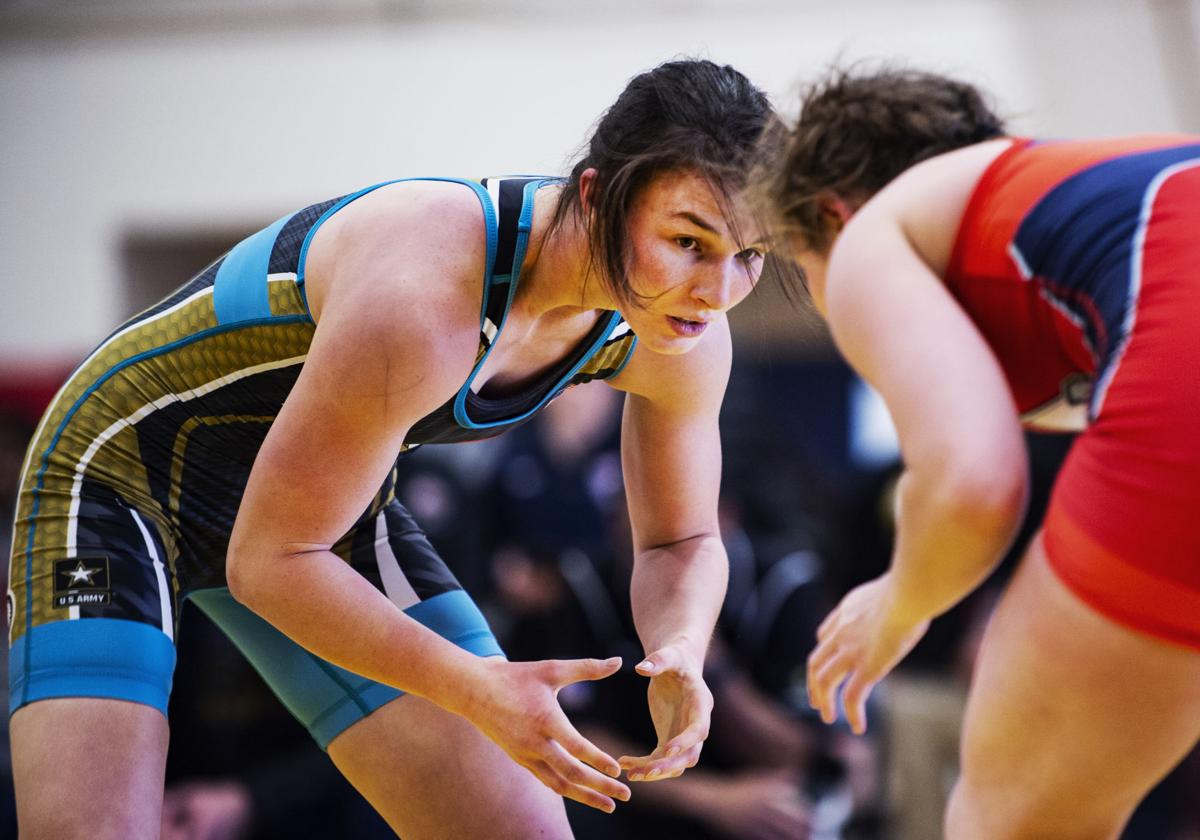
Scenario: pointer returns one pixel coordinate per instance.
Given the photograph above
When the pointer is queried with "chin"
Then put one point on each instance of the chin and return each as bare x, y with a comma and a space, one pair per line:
669, 345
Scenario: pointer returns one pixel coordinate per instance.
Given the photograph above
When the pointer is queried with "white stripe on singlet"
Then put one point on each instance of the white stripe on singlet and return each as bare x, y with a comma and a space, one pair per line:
140, 414
395, 584
164, 591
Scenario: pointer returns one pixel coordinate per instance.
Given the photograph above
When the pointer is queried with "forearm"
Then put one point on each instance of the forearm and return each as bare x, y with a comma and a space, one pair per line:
328, 608
949, 538
677, 591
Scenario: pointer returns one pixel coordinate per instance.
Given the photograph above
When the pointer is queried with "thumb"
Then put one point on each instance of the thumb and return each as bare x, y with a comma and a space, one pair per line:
577, 670
655, 663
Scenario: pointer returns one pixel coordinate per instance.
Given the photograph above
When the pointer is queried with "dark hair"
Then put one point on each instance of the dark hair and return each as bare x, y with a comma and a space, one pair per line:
690, 115
856, 132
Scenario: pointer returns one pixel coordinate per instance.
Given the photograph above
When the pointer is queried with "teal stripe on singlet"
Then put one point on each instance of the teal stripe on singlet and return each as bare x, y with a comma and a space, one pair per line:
240, 287
524, 226
489, 216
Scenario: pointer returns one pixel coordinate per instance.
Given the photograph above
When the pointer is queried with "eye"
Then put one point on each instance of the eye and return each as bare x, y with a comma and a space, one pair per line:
688, 243
750, 255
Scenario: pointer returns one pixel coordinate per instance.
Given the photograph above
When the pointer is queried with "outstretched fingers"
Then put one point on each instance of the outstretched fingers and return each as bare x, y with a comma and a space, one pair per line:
827, 668
671, 758
854, 701
553, 778
585, 751
583, 776
567, 671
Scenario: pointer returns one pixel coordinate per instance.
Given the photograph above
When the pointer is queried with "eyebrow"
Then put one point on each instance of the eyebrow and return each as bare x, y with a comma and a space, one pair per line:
696, 220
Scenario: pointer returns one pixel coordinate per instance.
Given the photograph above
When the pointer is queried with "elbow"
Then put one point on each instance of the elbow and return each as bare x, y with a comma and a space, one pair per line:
240, 573
989, 494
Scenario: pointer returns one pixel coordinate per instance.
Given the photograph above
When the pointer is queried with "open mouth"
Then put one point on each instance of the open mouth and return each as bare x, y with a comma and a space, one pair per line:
686, 328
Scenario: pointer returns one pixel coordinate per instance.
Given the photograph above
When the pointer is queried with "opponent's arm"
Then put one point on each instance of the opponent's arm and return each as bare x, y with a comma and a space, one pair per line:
963, 490
390, 346
671, 457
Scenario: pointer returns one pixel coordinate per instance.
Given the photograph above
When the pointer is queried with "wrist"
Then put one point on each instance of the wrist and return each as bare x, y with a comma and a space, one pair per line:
904, 605
460, 682
691, 649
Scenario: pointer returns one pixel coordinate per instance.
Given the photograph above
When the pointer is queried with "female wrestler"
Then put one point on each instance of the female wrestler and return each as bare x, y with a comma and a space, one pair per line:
245, 430
980, 281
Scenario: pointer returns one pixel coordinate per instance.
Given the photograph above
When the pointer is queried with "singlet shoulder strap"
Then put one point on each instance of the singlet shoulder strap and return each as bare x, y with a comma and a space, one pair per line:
512, 200
489, 217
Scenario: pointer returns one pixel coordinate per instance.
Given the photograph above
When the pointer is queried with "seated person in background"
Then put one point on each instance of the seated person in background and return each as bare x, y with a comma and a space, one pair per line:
763, 774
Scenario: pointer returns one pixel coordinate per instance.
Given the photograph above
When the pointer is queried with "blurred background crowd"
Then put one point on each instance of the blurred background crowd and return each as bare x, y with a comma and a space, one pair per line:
142, 139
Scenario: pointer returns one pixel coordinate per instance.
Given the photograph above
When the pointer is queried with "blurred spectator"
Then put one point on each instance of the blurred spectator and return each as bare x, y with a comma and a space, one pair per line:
562, 571
14, 437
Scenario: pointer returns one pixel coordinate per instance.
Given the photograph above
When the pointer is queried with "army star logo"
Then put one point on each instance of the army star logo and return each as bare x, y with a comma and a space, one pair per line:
82, 581
81, 574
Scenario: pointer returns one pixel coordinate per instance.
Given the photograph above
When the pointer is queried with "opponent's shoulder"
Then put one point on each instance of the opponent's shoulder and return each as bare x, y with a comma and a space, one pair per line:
690, 382
928, 200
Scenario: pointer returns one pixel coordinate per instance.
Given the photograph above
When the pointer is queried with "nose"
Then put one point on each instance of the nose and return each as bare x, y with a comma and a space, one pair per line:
723, 285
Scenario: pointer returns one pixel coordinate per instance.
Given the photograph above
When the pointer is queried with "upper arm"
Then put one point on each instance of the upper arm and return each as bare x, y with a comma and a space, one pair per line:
395, 337
670, 439
898, 326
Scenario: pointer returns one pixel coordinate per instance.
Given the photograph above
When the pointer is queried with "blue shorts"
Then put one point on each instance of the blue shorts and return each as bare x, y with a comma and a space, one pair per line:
119, 605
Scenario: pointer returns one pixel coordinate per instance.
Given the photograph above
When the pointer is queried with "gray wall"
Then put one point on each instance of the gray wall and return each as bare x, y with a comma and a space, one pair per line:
134, 119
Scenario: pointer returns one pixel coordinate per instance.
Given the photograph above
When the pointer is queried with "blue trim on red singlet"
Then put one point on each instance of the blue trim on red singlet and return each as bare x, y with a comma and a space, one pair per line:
1080, 237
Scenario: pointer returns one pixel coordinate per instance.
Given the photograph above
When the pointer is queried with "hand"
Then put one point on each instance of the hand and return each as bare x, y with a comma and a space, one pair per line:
515, 704
859, 643
759, 806
681, 707
206, 811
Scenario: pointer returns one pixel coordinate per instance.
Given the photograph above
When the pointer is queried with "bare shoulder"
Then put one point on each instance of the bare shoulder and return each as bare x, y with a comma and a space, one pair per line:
690, 382
929, 199
427, 237
395, 283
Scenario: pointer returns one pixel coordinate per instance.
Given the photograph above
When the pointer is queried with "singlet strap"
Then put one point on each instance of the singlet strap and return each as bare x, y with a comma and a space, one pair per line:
485, 201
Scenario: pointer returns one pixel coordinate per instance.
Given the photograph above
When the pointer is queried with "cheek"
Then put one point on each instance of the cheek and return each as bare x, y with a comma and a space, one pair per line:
655, 270
746, 284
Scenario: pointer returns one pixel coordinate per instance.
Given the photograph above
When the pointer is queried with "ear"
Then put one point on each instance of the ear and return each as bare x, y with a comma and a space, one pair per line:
587, 189
836, 208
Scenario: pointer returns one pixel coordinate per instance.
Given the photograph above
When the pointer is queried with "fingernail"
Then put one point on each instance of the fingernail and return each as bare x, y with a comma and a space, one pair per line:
654, 773
645, 665
613, 660
672, 751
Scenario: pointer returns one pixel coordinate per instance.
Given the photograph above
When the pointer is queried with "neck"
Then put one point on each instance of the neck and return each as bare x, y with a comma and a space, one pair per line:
556, 278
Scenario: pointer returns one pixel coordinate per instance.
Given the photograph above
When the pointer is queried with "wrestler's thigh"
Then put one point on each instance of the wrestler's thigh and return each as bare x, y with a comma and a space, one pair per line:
1071, 719
87, 767
431, 774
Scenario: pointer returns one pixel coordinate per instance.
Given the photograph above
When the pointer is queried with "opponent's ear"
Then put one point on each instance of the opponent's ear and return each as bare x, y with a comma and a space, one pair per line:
835, 209
587, 189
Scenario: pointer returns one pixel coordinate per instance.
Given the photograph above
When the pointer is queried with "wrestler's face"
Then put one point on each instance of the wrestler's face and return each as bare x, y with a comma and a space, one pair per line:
689, 262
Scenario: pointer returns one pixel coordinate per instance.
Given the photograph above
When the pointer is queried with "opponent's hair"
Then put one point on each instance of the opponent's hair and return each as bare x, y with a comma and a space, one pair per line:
856, 132
686, 115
